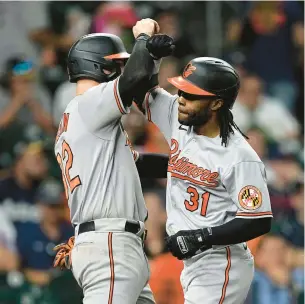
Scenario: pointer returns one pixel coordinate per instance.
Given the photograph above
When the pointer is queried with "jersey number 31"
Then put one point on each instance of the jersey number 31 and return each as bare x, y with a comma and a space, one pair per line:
193, 204
65, 161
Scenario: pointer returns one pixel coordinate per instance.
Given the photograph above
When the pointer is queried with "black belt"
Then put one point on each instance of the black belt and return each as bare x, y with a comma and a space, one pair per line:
132, 227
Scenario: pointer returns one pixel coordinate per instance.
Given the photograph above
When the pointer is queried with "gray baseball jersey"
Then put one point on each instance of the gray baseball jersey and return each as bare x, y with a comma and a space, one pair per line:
92, 148
208, 184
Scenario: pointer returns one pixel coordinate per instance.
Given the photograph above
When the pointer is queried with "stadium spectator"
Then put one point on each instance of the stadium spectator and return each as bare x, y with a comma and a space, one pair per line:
22, 99
164, 267
169, 23
165, 279
258, 142
272, 277
19, 185
271, 34
115, 18
67, 22
35, 241
291, 227
18, 21
254, 109
50, 72
155, 223
8, 251
292, 223
169, 68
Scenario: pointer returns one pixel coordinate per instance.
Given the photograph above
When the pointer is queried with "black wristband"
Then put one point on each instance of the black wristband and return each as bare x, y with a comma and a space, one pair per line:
146, 37
207, 232
143, 36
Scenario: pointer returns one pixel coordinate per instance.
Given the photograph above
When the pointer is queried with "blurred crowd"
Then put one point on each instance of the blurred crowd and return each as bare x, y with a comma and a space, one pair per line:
264, 41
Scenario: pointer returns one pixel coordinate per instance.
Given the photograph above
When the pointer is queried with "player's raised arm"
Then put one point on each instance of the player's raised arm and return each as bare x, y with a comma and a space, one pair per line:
158, 105
96, 62
140, 65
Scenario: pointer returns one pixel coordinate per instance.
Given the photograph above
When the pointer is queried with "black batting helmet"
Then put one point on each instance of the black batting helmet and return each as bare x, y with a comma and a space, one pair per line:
92, 54
208, 76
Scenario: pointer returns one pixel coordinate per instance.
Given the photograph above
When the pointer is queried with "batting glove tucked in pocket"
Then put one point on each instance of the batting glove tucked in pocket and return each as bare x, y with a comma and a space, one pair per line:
63, 255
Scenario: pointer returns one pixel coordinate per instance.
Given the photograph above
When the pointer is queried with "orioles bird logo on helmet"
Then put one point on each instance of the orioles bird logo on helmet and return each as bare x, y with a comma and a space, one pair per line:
189, 69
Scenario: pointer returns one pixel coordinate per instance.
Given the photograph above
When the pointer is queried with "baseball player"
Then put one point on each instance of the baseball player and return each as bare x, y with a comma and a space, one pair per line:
101, 181
217, 196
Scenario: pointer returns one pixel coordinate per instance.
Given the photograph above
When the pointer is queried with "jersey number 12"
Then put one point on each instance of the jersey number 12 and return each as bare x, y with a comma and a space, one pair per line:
193, 204
65, 161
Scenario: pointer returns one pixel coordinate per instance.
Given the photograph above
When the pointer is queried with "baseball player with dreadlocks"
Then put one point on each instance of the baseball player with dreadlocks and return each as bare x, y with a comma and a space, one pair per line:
217, 197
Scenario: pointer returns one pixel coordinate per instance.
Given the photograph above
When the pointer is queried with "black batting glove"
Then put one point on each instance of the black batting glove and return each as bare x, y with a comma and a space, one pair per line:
186, 243
160, 45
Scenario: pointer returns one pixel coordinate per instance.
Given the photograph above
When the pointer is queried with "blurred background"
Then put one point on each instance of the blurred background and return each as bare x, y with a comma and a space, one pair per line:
264, 41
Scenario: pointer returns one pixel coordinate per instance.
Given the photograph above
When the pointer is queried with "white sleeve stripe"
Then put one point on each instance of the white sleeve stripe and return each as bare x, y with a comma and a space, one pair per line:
118, 98
252, 217
253, 214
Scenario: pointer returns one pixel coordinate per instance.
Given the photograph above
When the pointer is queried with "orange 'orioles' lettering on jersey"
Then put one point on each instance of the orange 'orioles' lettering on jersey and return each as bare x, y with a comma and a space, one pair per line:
63, 126
182, 168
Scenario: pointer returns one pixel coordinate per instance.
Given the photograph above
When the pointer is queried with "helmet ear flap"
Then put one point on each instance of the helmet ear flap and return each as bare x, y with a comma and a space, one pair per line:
73, 66
82, 68
112, 67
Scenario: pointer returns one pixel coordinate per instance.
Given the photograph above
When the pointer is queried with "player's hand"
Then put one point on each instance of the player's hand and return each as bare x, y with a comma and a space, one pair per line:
185, 243
160, 45
146, 26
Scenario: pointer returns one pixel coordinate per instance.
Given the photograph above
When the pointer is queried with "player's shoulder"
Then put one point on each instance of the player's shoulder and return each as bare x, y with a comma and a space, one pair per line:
71, 105
96, 93
240, 150
92, 95
66, 88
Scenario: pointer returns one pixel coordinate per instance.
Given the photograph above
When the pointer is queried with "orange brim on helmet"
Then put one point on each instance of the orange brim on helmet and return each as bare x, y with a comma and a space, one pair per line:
188, 87
123, 55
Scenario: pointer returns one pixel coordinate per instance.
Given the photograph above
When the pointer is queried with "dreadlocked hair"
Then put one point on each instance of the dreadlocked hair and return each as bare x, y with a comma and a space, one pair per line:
227, 125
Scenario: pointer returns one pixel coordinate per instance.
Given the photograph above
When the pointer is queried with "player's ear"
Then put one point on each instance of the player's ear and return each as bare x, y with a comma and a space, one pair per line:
216, 104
